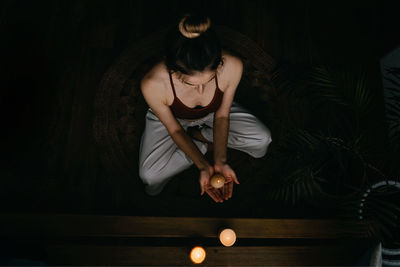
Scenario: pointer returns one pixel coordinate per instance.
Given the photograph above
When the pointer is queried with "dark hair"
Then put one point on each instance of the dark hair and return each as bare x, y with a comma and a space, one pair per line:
192, 45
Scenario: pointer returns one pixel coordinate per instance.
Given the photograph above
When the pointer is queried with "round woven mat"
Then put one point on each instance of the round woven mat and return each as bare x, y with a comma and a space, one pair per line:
120, 109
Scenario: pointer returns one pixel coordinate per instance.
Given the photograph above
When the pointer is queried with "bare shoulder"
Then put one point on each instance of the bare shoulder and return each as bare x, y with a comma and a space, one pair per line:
231, 61
153, 83
231, 70
155, 76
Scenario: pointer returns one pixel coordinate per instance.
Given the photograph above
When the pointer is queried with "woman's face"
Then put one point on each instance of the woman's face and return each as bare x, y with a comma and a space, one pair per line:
198, 79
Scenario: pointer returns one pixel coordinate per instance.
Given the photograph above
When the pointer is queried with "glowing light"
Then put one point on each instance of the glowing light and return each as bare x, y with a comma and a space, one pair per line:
198, 254
227, 237
217, 180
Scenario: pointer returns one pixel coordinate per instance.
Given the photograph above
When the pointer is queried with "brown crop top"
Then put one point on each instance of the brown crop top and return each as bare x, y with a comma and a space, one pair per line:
182, 111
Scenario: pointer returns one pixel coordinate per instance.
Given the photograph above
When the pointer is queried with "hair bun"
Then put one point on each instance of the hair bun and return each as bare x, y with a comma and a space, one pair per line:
192, 26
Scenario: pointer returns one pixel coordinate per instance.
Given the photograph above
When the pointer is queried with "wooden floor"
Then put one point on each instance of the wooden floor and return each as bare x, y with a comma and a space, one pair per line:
54, 56
65, 239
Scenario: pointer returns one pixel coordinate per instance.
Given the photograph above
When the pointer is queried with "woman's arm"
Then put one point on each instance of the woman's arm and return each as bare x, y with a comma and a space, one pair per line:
221, 119
157, 101
221, 126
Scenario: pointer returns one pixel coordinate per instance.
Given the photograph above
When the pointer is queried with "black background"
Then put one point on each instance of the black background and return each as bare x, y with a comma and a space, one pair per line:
53, 55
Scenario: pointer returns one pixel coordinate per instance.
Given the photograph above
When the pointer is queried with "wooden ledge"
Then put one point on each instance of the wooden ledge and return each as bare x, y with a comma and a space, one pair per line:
215, 256
28, 224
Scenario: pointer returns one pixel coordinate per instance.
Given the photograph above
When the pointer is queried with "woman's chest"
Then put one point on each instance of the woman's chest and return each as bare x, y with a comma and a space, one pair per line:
192, 96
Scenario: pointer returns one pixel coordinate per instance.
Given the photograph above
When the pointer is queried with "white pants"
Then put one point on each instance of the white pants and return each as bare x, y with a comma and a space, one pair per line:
160, 158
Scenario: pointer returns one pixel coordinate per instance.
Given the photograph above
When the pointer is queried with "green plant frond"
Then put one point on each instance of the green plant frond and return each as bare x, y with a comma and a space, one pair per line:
303, 190
351, 204
394, 70
321, 76
286, 80
283, 86
392, 90
272, 195
384, 203
394, 98
286, 194
385, 221
363, 97
302, 139
279, 194
307, 164
339, 159
396, 142
291, 194
382, 230
321, 180
296, 186
318, 188
320, 81
309, 189
331, 96
388, 213
326, 85
318, 151
385, 191
393, 122
393, 107
342, 88
393, 125
354, 147
298, 192
393, 81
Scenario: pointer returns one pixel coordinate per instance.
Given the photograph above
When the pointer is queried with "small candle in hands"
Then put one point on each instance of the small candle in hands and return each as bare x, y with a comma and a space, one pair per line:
198, 254
227, 237
217, 180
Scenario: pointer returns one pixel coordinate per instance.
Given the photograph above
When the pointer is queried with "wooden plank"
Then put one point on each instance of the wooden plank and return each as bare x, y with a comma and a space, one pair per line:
18, 224
224, 256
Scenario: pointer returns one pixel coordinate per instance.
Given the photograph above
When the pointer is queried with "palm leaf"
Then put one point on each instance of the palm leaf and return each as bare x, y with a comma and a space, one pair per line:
342, 88
379, 229
362, 96
298, 192
303, 189
394, 98
321, 76
308, 164
392, 89
394, 70
294, 187
326, 87
393, 108
384, 203
393, 81
389, 216
385, 221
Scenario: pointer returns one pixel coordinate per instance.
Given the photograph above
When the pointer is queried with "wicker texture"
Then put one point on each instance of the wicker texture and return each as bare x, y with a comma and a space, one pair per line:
120, 109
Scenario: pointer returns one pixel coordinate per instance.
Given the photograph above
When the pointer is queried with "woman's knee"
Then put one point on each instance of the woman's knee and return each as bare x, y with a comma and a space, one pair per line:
152, 184
147, 176
262, 143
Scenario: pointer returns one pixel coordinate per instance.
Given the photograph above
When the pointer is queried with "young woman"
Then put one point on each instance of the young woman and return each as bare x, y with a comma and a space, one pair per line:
191, 110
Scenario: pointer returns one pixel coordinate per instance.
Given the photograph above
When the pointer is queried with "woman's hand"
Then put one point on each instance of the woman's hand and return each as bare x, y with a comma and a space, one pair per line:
230, 177
205, 185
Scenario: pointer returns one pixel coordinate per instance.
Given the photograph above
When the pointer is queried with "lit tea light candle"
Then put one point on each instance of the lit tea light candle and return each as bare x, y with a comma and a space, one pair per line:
227, 237
217, 180
198, 254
